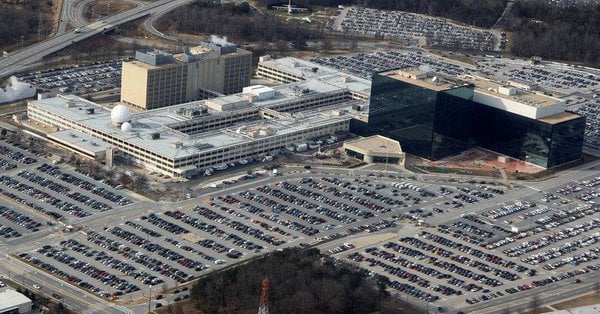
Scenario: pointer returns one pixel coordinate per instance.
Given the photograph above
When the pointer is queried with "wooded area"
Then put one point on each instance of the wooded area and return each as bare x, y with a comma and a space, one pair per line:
538, 28
482, 13
21, 19
570, 34
236, 22
300, 281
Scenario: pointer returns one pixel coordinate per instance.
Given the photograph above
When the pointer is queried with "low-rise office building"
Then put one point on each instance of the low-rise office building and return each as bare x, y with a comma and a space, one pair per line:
186, 139
376, 149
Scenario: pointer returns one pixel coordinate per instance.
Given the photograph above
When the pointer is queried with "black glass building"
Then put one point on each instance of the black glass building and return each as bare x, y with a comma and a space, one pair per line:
437, 120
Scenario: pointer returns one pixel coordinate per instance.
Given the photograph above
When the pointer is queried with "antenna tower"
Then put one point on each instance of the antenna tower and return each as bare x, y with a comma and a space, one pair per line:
263, 307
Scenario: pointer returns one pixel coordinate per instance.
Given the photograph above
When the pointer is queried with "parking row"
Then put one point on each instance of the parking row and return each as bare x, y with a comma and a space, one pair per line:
145, 259
214, 230
16, 155
20, 219
43, 197
6, 165
63, 190
408, 288
86, 185
33, 205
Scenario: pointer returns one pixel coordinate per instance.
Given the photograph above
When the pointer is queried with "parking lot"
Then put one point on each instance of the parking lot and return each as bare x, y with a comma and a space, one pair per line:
365, 64
78, 79
492, 252
52, 192
170, 246
436, 32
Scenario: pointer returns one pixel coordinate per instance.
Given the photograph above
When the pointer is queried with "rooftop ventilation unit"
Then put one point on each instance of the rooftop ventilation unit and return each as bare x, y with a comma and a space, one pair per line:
153, 136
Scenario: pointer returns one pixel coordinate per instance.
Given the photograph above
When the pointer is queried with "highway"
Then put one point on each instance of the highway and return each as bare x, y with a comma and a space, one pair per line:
22, 59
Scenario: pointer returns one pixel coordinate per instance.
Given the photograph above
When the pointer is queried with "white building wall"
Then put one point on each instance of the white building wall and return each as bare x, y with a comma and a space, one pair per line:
203, 159
516, 107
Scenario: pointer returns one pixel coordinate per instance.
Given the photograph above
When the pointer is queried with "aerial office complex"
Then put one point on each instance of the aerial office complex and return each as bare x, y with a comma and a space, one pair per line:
159, 79
434, 117
186, 139
430, 116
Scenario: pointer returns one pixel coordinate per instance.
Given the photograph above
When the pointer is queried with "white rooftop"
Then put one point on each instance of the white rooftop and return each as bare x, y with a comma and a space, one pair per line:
11, 298
309, 70
84, 141
158, 120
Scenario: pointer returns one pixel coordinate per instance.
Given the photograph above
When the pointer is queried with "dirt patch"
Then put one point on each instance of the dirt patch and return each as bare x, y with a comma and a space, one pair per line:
103, 8
589, 299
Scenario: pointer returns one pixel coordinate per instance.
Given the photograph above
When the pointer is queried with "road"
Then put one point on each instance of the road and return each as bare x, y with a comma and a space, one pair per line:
28, 276
22, 59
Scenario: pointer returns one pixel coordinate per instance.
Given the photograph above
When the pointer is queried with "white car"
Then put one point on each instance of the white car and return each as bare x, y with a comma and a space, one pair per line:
37, 287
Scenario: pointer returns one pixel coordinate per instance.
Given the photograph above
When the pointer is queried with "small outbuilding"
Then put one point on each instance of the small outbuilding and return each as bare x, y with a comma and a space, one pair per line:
12, 301
376, 149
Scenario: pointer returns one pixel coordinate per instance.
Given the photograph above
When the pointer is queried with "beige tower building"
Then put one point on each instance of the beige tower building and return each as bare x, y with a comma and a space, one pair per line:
159, 79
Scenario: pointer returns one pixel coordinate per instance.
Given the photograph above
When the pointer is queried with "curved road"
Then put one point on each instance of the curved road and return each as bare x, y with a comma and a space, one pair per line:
24, 58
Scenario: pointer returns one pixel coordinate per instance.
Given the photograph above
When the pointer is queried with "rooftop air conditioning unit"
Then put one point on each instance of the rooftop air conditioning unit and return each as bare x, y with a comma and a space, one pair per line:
153, 136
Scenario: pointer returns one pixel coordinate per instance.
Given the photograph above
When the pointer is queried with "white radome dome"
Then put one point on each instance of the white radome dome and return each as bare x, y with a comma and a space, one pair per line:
120, 114
126, 127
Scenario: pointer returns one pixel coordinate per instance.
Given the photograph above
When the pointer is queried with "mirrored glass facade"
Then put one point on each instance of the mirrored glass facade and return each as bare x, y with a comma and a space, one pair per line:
435, 124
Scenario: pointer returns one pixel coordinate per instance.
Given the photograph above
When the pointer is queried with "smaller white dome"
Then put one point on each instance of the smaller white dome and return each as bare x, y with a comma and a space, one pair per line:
120, 114
126, 127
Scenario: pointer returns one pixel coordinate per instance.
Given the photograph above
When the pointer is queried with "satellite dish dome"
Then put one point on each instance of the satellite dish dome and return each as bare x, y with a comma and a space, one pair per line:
120, 114
126, 127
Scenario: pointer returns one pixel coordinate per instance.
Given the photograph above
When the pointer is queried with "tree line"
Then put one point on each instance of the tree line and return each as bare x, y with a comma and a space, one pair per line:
237, 22
552, 32
300, 281
22, 18
482, 13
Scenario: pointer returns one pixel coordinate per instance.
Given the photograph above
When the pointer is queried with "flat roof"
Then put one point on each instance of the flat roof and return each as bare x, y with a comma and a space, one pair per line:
145, 65
298, 67
81, 140
377, 144
158, 121
561, 117
334, 77
524, 97
421, 79
11, 298
440, 83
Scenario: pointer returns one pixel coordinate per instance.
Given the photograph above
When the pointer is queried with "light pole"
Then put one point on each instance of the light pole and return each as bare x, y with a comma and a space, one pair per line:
149, 297
387, 157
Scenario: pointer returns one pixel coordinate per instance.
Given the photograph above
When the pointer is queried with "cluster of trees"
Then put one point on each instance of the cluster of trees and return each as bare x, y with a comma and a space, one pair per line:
553, 32
300, 281
18, 20
236, 21
306, 3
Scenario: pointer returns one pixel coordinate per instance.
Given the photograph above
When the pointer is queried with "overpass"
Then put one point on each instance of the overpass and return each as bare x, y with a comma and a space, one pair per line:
24, 58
